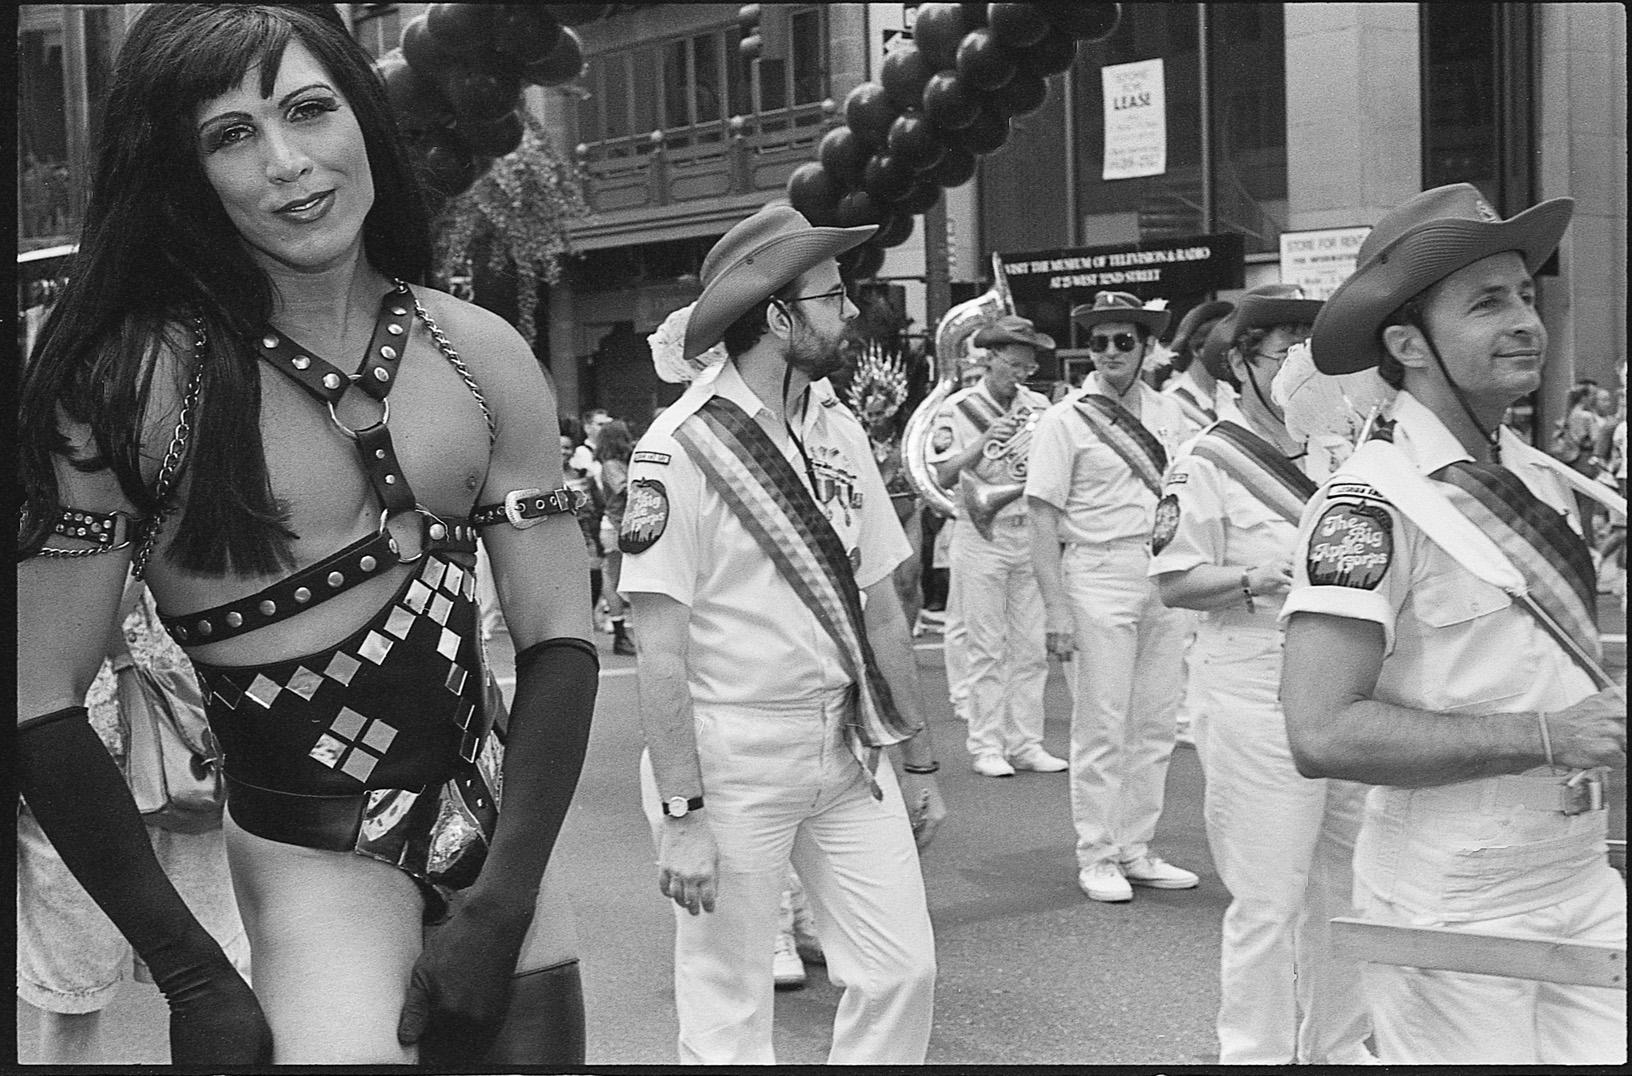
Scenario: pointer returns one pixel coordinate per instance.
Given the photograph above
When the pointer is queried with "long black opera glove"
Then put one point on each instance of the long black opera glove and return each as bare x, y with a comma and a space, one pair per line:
460, 988
82, 804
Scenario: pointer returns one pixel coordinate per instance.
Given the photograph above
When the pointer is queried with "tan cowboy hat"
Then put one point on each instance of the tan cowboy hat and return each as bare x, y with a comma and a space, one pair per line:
1013, 329
755, 258
1195, 319
1120, 306
1416, 244
1269, 305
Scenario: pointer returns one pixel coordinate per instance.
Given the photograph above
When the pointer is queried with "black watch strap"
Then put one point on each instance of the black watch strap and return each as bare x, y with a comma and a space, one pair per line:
693, 804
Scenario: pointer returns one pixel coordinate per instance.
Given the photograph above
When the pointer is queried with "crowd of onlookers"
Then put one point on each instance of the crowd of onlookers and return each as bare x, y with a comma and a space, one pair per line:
1591, 438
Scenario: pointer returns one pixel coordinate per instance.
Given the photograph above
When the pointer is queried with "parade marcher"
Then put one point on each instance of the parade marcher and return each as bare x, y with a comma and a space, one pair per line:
954, 632
1282, 843
1441, 642
1196, 390
775, 665
1097, 458
252, 222
980, 441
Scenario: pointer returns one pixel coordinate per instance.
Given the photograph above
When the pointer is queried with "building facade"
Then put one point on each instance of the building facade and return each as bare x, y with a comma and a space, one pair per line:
1280, 121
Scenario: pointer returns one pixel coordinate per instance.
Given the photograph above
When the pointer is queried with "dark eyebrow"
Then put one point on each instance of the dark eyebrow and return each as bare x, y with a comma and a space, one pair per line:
283, 102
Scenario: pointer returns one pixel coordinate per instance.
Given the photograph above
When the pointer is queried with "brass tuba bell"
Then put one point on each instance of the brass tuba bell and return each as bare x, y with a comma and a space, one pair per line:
959, 323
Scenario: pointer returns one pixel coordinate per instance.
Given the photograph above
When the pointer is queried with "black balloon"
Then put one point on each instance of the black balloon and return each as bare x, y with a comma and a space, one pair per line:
1052, 55
948, 103
983, 63
955, 169
494, 138
923, 195
418, 104
1024, 94
448, 166
857, 208
466, 30
578, 14
813, 192
915, 140
987, 133
936, 30
526, 33
564, 63
844, 155
1017, 25
869, 112
887, 178
893, 231
481, 95
423, 52
974, 14
903, 74
1087, 22
861, 263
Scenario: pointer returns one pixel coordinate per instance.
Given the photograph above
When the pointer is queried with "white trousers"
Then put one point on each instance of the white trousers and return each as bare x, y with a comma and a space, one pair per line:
1001, 608
1466, 856
954, 636
1129, 668
780, 784
1284, 847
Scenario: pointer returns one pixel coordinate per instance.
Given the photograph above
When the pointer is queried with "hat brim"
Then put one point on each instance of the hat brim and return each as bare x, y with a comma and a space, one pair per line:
1154, 320
1256, 312
757, 275
1205, 314
1040, 341
1216, 346
1346, 338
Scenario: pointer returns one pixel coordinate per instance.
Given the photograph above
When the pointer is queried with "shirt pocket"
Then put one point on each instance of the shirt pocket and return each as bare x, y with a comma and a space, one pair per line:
1470, 662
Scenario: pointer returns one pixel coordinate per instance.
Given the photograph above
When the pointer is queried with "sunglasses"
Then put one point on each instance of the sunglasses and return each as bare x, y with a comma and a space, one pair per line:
1120, 341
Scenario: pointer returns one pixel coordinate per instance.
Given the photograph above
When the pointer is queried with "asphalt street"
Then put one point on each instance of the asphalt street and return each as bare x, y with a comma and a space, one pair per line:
1031, 972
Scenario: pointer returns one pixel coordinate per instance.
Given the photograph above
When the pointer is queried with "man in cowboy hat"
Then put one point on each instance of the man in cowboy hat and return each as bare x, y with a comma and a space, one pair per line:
1441, 642
775, 664
1193, 384
1282, 843
981, 432
1094, 476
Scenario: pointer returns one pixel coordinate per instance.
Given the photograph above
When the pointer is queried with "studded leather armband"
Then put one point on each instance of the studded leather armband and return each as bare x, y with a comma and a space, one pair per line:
108, 530
523, 508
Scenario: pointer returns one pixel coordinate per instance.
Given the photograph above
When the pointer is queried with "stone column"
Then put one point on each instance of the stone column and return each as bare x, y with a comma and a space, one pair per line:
564, 348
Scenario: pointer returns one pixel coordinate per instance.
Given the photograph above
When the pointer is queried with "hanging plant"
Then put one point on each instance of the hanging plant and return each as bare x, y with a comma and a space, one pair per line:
515, 217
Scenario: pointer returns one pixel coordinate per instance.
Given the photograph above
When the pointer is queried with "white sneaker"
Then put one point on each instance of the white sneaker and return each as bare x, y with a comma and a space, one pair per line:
787, 970
1104, 881
1038, 760
1158, 873
993, 766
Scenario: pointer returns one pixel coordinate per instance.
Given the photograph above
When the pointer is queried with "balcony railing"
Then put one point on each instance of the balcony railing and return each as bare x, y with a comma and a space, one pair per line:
739, 156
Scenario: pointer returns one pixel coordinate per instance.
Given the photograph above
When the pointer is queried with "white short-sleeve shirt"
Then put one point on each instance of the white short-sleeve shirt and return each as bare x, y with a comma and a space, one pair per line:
752, 638
1454, 643
955, 430
1099, 496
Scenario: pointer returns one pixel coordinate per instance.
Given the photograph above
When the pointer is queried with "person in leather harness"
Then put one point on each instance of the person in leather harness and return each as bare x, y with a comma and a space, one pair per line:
1441, 642
242, 398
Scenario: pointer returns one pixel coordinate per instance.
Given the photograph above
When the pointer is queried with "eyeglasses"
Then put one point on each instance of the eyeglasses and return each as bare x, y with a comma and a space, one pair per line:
838, 292
1120, 341
1276, 357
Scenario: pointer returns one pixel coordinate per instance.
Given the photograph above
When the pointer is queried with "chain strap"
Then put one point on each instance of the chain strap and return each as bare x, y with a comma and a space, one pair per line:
95, 551
446, 347
174, 455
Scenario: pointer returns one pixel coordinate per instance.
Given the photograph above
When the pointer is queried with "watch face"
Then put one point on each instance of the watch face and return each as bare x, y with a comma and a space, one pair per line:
678, 807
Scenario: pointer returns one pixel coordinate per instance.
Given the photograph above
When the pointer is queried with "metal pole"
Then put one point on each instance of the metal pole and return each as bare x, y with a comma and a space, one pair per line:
1203, 87
1073, 228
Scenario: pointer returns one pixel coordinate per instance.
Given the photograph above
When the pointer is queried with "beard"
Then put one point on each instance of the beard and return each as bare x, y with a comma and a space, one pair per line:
814, 356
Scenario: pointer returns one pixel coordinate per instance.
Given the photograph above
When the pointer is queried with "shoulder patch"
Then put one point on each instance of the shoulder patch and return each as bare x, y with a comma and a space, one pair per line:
647, 456
1177, 478
645, 516
1167, 523
941, 440
1352, 546
1354, 491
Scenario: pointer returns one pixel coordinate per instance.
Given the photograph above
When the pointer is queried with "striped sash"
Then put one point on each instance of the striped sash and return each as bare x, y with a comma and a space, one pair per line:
1127, 437
763, 491
1254, 462
1553, 559
1194, 410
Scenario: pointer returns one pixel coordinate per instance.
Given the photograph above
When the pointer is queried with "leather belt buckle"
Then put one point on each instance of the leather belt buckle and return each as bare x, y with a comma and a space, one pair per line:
515, 510
1582, 793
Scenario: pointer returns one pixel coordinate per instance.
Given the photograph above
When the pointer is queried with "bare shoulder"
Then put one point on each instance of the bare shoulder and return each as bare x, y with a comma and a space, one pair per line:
488, 344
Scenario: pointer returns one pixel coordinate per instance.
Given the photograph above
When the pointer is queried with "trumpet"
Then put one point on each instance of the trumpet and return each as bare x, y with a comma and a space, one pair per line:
983, 500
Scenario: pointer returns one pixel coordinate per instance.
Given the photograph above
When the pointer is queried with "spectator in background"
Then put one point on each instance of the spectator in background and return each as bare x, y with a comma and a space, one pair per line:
612, 450
577, 470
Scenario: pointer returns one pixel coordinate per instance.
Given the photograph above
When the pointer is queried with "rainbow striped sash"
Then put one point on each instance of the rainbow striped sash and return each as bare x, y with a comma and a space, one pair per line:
1254, 462
762, 489
1127, 437
1194, 410
1553, 559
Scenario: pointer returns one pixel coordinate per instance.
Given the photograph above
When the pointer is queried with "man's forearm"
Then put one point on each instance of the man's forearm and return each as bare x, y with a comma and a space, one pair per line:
1046, 559
667, 724
892, 649
1379, 743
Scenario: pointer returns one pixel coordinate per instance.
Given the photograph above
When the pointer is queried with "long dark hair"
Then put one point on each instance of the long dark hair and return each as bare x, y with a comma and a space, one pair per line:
614, 442
157, 249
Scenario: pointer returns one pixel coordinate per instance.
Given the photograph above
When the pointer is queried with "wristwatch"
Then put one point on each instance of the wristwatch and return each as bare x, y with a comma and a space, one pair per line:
679, 806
